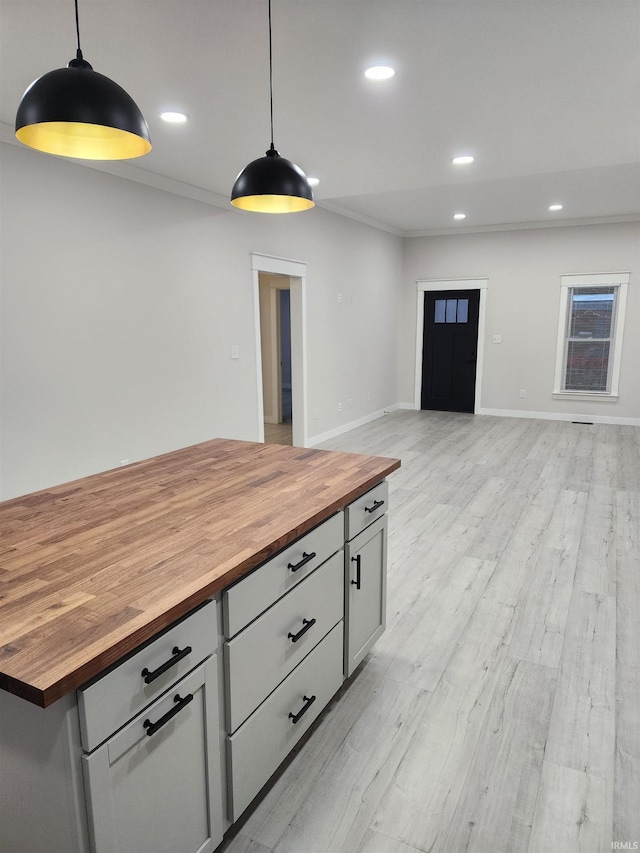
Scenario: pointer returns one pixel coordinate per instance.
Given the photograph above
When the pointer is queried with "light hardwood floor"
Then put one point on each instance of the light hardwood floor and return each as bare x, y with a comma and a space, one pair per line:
278, 433
500, 711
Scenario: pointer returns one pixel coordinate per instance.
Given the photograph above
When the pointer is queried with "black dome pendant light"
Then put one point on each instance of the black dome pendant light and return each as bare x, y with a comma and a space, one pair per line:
76, 112
272, 184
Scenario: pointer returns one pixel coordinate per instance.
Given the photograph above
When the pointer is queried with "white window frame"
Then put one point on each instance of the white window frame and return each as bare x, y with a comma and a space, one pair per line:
619, 280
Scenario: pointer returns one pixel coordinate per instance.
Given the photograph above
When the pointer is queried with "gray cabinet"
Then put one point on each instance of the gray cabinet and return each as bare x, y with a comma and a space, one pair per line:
149, 786
256, 592
365, 583
260, 745
264, 654
154, 784
366, 509
290, 640
283, 656
163, 751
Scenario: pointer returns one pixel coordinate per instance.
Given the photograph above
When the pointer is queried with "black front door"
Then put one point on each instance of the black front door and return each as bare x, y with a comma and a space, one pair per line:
449, 350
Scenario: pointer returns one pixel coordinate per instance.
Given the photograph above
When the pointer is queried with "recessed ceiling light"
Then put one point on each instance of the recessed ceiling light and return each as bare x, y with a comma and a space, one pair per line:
313, 182
379, 72
173, 117
555, 207
463, 160
459, 215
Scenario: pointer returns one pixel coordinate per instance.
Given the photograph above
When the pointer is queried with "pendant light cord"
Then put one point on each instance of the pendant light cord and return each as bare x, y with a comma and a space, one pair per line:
78, 51
270, 74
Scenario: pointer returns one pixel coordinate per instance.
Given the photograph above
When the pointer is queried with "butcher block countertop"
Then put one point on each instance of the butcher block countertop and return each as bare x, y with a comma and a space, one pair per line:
90, 570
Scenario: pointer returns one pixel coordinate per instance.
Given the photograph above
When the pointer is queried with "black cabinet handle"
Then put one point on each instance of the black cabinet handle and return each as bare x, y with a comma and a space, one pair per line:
152, 728
357, 560
305, 559
177, 655
376, 505
307, 623
308, 702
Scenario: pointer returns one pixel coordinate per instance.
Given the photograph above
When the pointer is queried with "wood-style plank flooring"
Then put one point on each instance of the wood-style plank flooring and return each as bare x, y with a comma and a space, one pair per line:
278, 433
500, 711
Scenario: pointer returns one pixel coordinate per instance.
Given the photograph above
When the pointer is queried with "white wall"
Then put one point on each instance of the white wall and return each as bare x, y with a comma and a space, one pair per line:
352, 344
119, 304
524, 269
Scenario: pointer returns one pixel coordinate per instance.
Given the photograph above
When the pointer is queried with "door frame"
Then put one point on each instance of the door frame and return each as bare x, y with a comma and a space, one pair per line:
422, 286
297, 273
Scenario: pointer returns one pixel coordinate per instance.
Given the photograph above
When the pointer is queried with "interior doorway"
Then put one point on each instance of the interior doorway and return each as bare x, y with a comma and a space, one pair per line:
270, 306
275, 343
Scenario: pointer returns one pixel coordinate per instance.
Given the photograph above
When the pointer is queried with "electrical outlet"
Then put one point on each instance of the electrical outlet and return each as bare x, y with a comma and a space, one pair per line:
497, 339
235, 351
339, 407
523, 393
339, 297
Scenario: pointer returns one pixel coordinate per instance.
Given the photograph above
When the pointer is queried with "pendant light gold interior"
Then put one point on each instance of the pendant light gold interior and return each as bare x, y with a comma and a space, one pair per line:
272, 184
77, 112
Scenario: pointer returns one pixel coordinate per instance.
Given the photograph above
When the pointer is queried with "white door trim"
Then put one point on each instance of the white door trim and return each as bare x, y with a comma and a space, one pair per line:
297, 272
422, 286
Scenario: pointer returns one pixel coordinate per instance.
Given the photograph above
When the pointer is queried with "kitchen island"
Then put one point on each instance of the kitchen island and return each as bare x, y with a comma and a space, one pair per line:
132, 607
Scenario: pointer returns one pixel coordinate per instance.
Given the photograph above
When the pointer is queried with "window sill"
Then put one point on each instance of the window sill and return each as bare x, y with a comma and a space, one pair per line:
579, 395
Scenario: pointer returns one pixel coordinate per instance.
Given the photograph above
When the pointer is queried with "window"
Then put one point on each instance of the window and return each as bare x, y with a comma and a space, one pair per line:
590, 334
451, 311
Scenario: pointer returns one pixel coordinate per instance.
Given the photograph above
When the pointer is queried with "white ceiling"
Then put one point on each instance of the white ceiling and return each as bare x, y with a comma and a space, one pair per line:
544, 93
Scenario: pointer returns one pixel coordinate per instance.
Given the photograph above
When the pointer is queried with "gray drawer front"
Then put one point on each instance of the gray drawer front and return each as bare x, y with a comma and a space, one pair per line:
262, 655
364, 510
251, 596
114, 699
259, 746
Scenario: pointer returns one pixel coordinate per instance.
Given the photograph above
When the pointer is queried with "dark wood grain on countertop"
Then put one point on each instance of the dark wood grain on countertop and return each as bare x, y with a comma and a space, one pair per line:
89, 570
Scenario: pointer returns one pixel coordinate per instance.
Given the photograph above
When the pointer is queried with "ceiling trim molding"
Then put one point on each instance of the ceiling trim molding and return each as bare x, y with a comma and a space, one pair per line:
151, 179
365, 220
131, 173
170, 185
524, 226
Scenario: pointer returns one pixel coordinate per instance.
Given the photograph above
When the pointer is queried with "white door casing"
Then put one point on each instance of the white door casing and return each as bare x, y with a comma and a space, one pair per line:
297, 272
431, 285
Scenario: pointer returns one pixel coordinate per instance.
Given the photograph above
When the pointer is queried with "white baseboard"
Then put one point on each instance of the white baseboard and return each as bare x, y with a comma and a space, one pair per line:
499, 413
334, 433
396, 406
559, 416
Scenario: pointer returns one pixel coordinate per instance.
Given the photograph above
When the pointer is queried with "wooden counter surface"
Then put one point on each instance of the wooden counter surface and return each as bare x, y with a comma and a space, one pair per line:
90, 570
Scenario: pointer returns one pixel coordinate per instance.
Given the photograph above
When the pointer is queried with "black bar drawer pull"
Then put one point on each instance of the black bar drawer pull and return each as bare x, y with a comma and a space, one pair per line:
357, 560
308, 702
303, 562
376, 505
177, 655
307, 623
152, 728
